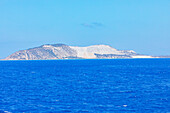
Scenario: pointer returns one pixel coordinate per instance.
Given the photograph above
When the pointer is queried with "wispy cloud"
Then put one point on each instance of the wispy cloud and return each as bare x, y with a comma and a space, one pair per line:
87, 25
93, 25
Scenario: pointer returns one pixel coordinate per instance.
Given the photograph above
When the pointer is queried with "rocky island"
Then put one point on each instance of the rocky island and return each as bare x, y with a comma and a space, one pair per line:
62, 51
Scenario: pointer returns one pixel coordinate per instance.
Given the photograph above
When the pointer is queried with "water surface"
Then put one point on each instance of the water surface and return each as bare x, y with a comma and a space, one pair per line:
99, 86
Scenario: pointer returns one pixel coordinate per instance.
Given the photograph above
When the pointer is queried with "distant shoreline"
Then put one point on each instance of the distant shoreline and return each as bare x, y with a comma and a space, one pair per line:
85, 59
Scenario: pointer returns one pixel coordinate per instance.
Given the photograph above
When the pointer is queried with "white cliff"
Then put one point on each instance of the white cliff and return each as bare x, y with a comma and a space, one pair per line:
90, 51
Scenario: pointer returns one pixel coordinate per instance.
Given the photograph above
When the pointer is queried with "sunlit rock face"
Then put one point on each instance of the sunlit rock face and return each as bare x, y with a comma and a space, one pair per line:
56, 51
62, 51
91, 51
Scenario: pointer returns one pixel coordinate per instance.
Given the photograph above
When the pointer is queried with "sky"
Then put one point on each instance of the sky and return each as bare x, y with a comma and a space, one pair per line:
139, 25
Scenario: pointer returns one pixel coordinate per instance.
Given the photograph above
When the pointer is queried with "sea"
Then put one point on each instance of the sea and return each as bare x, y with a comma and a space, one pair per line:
85, 86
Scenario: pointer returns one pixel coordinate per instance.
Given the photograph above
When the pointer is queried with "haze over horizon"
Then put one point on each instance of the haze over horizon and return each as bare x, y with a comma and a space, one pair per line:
142, 26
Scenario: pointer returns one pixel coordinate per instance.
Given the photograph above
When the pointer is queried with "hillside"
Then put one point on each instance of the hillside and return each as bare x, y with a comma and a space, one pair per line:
62, 51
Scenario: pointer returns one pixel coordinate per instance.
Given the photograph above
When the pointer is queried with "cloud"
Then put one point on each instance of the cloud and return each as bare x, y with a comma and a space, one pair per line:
98, 24
87, 25
93, 25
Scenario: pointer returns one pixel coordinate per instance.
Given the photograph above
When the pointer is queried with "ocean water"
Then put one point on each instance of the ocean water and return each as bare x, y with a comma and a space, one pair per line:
82, 86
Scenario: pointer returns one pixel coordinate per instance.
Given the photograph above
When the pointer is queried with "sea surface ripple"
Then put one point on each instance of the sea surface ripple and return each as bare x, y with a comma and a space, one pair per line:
82, 86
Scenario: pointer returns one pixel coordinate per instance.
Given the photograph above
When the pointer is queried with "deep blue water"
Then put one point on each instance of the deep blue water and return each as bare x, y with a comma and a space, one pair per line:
99, 86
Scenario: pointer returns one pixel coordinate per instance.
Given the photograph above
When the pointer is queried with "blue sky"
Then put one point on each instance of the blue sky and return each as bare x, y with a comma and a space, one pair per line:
140, 25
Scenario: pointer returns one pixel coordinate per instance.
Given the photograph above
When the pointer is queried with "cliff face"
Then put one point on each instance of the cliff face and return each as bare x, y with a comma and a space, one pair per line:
57, 51
62, 51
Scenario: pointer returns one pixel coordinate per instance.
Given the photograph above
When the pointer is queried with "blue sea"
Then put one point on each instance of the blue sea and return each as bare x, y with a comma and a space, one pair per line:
85, 86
